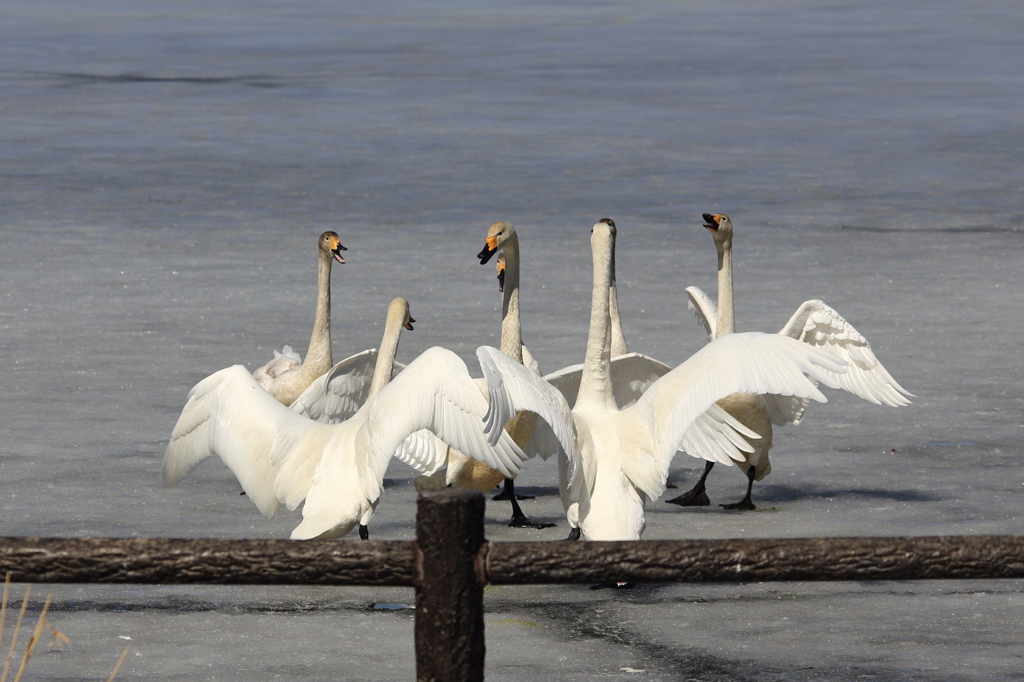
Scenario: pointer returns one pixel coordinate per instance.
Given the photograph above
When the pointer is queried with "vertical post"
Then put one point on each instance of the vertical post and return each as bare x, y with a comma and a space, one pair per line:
449, 595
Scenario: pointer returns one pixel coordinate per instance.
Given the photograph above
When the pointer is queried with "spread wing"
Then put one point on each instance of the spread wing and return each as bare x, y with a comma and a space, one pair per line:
338, 394
286, 360
513, 388
819, 325
230, 415
735, 363
705, 309
632, 374
434, 392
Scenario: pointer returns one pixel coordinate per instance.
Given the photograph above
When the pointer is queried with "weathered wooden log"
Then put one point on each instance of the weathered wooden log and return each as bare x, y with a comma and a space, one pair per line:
449, 627
858, 558
211, 562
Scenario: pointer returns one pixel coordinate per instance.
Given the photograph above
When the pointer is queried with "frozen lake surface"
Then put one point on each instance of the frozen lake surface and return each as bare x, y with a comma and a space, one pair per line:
167, 167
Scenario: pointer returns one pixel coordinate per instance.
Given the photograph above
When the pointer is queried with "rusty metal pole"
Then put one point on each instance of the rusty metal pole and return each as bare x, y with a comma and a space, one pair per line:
449, 593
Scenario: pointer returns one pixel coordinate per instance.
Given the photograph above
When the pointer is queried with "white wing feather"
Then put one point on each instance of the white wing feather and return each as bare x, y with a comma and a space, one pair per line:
715, 435
513, 388
424, 452
736, 363
819, 325
230, 415
339, 393
632, 374
705, 309
434, 392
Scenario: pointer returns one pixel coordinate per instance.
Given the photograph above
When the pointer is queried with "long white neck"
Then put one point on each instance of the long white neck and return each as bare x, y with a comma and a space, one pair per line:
596, 384
726, 323
511, 330
388, 347
318, 354
618, 340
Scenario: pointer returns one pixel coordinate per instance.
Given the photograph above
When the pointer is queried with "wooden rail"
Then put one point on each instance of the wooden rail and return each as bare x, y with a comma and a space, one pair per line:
450, 563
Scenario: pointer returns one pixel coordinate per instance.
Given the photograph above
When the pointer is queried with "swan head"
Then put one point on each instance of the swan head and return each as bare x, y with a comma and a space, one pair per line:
330, 246
500, 263
605, 227
610, 226
498, 235
719, 226
398, 309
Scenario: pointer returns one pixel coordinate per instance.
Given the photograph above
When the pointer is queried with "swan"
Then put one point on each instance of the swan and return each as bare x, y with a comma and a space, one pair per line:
281, 457
465, 473
814, 323
286, 376
614, 460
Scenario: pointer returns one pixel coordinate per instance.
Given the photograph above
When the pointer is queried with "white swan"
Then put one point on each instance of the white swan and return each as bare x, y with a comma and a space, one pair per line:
286, 376
616, 459
466, 473
814, 323
281, 457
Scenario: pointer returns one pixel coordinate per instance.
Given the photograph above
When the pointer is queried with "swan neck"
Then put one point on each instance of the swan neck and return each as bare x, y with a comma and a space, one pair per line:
385, 365
318, 354
726, 323
618, 339
595, 384
511, 329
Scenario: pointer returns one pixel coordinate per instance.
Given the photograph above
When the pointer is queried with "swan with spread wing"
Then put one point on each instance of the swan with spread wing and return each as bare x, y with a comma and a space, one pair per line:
815, 324
615, 460
281, 457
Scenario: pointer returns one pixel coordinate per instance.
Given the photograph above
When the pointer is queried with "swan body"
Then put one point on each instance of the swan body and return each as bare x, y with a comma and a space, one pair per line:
815, 324
616, 459
286, 376
281, 457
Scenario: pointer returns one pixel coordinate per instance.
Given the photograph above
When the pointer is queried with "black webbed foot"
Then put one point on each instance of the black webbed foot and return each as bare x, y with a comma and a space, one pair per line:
695, 497
364, 532
574, 535
520, 520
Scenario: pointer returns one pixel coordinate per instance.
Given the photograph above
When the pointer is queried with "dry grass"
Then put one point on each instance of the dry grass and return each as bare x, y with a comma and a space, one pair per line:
59, 636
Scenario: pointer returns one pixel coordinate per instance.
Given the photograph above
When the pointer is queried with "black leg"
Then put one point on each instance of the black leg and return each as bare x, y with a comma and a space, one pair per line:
364, 532
746, 502
696, 496
503, 495
519, 519
574, 535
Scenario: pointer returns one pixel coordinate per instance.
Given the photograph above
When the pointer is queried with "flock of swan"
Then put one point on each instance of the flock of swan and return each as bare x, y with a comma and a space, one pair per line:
322, 435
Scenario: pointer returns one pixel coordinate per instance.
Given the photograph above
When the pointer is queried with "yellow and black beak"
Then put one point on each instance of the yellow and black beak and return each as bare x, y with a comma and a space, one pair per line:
711, 222
408, 325
501, 280
490, 248
336, 252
